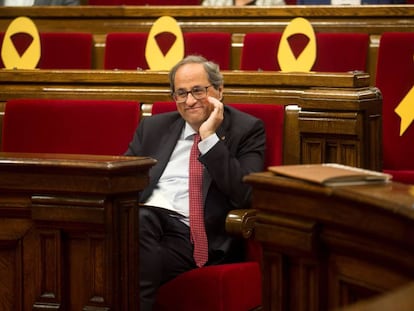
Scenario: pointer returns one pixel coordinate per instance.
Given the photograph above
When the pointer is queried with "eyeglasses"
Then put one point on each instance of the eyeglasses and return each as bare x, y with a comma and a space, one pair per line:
198, 92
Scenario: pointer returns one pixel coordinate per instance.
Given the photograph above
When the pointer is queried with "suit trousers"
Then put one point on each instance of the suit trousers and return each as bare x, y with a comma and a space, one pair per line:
165, 251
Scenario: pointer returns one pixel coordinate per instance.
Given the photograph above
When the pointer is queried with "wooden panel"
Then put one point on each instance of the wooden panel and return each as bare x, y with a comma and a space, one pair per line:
333, 245
68, 231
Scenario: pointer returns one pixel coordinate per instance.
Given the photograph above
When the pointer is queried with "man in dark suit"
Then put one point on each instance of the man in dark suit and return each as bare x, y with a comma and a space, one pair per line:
232, 146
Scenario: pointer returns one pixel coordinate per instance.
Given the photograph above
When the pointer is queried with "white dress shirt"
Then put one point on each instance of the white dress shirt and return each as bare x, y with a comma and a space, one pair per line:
171, 191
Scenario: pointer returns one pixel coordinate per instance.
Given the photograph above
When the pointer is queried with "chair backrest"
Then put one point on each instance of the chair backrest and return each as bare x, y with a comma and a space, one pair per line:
69, 126
336, 52
271, 115
395, 79
62, 50
214, 46
127, 50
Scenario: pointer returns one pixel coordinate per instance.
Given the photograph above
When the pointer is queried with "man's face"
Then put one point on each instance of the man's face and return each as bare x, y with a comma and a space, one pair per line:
193, 77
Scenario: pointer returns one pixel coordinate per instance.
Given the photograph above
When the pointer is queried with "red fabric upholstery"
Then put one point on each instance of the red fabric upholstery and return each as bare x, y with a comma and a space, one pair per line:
214, 46
213, 288
230, 287
125, 51
259, 51
69, 126
62, 50
66, 51
395, 78
341, 52
336, 52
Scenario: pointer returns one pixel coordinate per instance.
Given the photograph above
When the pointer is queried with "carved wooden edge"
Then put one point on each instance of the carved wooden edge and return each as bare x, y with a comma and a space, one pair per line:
241, 222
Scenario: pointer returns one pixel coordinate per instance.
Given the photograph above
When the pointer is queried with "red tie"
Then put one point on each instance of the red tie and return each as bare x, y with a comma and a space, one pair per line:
198, 233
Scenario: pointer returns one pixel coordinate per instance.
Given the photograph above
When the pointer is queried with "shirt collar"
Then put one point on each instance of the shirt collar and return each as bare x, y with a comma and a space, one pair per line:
188, 131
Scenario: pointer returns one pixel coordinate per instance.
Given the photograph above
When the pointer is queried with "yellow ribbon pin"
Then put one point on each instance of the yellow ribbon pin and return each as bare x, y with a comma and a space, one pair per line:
285, 56
405, 110
155, 57
31, 56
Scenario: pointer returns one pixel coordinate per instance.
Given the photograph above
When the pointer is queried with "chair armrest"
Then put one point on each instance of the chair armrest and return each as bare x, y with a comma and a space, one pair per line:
241, 222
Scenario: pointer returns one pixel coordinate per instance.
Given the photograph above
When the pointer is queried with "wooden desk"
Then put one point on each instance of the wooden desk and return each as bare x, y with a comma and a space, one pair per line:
324, 248
339, 119
68, 231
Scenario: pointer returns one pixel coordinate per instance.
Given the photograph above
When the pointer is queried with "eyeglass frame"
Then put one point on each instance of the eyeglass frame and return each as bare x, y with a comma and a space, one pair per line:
173, 94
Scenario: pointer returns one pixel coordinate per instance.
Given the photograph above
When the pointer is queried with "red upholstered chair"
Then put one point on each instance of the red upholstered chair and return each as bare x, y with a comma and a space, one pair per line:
336, 52
395, 78
229, 287
66, 50
125, 51
61, 50
69, 126
214, 46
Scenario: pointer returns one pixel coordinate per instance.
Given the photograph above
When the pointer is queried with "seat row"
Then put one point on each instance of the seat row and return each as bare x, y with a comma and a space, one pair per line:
336, 52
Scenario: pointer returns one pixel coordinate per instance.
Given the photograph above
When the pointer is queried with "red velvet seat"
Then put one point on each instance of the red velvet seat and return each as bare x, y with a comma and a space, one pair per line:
214, 46
124, 50
229, 287
69, 126
336, 52
127, 50
61, 50
66, 50
395, 78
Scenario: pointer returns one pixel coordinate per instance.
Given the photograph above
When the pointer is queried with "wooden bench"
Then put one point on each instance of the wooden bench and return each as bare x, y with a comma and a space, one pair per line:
100, 20
69, 231
328, 117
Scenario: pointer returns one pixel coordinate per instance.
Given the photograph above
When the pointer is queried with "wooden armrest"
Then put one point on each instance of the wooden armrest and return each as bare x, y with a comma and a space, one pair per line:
241, 222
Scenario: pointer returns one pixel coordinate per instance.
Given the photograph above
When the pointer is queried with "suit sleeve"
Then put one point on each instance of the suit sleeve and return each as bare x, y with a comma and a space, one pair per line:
229, 161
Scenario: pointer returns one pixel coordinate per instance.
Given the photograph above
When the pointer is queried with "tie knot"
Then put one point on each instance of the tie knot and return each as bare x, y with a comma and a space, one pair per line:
196, 138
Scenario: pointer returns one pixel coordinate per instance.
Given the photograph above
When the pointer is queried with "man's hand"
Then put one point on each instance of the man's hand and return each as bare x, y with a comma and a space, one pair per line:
216, 117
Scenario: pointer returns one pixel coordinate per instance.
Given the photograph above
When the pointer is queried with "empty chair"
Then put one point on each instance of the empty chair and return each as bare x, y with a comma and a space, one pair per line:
336, 52
230, 287
395, 79
60, 50
66, 50
127, 50
69, 126
214, 46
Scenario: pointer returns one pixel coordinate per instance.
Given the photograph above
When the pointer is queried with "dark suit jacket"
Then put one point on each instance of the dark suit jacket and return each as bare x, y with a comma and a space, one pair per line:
240, 151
